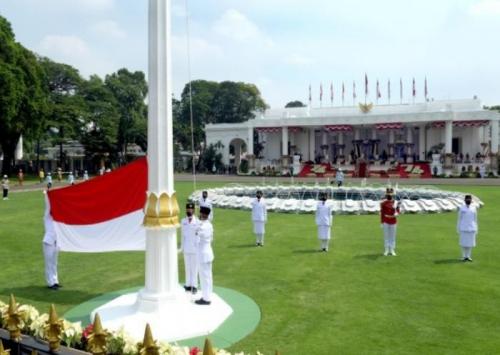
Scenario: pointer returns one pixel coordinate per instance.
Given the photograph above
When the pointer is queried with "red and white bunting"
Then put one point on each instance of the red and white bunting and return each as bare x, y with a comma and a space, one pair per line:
268, 129
339, 128
392, 125
479, 123
294, 129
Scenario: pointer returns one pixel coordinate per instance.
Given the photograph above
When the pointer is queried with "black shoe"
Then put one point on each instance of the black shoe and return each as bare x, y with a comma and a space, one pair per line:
469, 259
53, 287
58, 285
464, 259
187, 288
193, 290
202, 302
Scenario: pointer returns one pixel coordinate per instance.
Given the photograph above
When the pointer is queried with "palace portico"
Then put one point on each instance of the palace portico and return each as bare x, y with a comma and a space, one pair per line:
460, 130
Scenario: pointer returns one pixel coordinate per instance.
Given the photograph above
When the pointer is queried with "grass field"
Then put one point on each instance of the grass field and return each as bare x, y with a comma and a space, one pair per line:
351, 300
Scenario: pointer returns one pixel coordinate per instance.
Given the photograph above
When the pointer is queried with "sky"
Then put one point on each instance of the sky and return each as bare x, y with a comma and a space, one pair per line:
283, 46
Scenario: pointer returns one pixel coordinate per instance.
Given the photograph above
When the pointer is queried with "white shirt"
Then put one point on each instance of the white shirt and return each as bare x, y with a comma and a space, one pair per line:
49, 237
259, 210
205, 235
467, 219
339, 176
323, 214
5, 184
189, 239
207, 203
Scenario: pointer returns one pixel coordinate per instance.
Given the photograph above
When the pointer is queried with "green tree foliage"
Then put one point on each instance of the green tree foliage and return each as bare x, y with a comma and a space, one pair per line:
22, 96
129, 90
295, 103
100, 136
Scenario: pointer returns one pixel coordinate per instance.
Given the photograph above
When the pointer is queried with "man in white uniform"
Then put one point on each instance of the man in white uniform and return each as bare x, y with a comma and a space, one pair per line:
205, 235
339, 177
50, 249
467, 227
324, 222
259, 218
189, 225
206, 202
5, 187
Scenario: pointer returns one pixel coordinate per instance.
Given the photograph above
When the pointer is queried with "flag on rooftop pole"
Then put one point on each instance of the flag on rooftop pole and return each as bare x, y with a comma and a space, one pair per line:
366, 86
401, 90
426, 93
379, 95
354, 93
343, 93
331, 93
320, 94
414, 90
389, 91
310, 96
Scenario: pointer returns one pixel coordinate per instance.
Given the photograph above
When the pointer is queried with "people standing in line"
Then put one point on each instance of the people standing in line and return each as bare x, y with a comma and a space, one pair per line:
5, 187
324, 221
205, 255
206, 202
259, 218
189, 226
20, 177
50, 249
49, 181
339, 177
389, 211
467, 227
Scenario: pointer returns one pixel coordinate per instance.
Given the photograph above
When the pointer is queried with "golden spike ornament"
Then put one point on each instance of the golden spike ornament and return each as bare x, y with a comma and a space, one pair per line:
13, 320
207, 348
149, 346
365, 108
162, 211
54, 329
97, 338
2, 350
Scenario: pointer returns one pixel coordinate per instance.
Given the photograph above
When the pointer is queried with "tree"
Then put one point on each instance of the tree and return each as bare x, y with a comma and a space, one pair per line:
22, 96
101, 116
295, 103
129, 90
66, 106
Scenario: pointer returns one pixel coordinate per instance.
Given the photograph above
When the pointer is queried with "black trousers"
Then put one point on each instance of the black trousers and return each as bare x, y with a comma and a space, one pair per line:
5, 193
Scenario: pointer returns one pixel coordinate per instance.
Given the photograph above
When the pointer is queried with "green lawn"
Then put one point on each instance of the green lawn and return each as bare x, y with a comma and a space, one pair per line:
351, 300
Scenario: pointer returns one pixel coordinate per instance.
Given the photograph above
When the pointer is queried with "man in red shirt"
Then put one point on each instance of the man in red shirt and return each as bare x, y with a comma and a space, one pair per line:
389, 211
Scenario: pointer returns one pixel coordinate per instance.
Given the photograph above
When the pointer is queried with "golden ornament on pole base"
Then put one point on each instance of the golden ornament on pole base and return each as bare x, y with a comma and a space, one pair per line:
13, 320
2, 350
97, 338
53, 329
207, 348
149, 346
162, 212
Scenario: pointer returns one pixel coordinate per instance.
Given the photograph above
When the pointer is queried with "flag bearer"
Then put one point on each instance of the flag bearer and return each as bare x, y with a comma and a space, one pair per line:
389, 211
205, 235
467, 227
324, 221
189, 225
259, 218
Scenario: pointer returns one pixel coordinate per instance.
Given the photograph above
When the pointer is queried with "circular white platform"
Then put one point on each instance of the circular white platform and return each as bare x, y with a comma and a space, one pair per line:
170, 319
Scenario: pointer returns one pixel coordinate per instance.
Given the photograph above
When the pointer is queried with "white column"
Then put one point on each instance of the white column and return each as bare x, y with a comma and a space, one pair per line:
356, 133
19, 149
324, 145
391, 143
284, 140
250, 141
161, 242
422, 149
340, 142
448, 137
494, 136
312, 143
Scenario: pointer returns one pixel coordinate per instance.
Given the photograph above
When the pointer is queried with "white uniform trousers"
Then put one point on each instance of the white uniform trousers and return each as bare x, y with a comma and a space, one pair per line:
50, 254
390, 236
191, 269
467, 242
206, 280
259, 228
324, 233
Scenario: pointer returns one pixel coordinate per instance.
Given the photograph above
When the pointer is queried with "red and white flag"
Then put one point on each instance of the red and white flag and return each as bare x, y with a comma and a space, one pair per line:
103, 214
414, 90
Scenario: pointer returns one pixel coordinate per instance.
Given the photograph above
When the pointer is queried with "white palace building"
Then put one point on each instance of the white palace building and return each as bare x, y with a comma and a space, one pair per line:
449, 137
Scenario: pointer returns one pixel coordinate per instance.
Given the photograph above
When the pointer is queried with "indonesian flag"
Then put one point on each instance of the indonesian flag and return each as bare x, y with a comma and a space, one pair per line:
103, 214
414, 90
